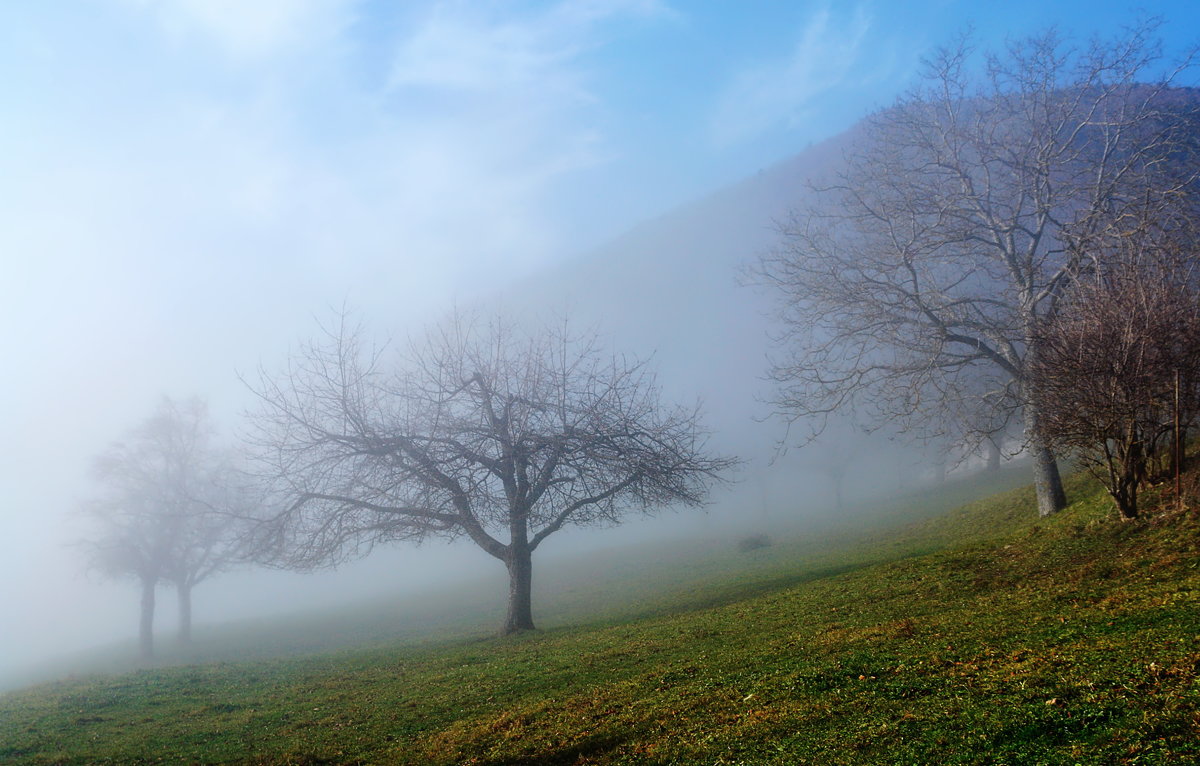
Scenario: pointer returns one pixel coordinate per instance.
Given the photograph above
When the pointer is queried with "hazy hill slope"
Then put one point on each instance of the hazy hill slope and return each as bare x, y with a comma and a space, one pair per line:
674, 288
695, 567
977, 636
671, 285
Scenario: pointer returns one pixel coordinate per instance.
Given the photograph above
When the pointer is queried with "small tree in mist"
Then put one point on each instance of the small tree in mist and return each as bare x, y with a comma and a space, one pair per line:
166, 510
911, 286
501, 436
1109, 369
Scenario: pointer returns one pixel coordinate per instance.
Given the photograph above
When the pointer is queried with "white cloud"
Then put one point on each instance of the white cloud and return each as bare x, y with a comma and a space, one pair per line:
464, 46
252, 28
827, 56
503, 107
463, 51
433, 171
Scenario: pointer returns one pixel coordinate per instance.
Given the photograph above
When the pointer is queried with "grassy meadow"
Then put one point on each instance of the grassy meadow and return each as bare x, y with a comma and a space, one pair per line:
940, 631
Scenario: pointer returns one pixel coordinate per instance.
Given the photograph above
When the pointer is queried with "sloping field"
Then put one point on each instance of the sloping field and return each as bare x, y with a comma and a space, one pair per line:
978, 635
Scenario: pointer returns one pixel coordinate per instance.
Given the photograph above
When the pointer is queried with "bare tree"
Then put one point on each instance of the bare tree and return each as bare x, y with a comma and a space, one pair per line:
165, 510
218, 531
1111, 368
479, 431
912, 284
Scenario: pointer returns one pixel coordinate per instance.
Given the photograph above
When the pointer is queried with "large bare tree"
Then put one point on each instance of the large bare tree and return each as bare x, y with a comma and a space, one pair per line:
912, 283
476, 430
166, 510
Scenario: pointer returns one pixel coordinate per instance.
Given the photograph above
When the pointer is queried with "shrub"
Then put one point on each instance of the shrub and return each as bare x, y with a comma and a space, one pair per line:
753, 543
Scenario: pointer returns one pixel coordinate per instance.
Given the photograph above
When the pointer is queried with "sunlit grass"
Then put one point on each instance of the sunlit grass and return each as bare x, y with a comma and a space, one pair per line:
979, 635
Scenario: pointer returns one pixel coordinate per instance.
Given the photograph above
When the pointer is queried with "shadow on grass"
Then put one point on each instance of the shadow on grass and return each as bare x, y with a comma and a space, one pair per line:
592, 746
712, 598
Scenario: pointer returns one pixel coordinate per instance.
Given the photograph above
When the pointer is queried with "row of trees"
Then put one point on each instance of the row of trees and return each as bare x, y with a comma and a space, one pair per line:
992, 243
170, 508
476, 430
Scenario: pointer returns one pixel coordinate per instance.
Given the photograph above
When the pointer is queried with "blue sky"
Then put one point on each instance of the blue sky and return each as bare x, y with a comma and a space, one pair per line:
467, 142
185, 183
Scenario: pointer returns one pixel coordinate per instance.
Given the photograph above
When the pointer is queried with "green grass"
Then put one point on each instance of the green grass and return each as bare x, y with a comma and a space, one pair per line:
976, 635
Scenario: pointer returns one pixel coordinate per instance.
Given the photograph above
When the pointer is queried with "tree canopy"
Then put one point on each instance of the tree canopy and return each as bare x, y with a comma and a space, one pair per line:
477, 429
1116, 373
168, 508
911, 284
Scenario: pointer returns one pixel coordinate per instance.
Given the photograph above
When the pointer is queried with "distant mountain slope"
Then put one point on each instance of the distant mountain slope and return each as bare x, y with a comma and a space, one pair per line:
671, 287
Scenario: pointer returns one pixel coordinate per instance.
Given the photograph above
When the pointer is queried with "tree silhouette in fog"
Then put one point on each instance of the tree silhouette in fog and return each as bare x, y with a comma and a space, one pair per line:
476, 429
912, 284
167, 509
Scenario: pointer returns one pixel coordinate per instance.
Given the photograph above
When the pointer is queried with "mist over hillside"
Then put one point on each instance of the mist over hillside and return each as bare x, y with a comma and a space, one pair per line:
197, 192
673, 290
669, 290
676, 289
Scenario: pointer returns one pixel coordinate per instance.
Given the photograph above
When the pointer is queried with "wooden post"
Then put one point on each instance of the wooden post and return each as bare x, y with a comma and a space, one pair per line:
1178, 448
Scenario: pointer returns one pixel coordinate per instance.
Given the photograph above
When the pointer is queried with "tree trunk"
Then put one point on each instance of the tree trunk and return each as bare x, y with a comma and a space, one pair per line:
993, 454
839, 478
1125, 497
1051, 498
185, 613
146, 626
1047, 483
520, 590
1133, 472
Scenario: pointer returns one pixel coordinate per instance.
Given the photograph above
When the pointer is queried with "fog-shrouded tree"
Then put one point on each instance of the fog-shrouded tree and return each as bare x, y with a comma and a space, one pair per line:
476, 429
1117, 369
217, 535
910, 285
166, 510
